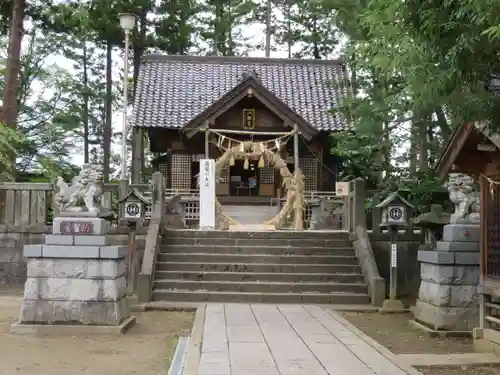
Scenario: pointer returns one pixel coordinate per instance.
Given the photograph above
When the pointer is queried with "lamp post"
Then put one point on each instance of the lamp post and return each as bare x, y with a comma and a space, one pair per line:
127, 23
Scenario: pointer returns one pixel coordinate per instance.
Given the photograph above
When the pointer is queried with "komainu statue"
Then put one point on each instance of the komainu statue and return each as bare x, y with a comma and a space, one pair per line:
464, 195
84, 193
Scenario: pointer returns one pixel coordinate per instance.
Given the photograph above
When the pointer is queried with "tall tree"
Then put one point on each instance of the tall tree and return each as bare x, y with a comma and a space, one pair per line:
13, 66
221, 22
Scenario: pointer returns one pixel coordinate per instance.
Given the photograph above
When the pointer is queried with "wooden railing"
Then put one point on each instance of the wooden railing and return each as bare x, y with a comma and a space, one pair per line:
33, 203
25, 203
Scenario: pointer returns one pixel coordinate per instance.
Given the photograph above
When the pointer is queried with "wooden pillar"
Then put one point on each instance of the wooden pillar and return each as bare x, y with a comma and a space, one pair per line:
207, 143
296, 147
137, 155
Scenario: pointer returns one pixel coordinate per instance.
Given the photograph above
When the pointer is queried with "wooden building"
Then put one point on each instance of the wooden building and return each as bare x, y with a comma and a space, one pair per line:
238, 99
475, 151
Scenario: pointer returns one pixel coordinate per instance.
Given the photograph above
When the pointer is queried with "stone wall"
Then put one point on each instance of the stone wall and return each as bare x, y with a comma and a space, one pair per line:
12, 262
408, 265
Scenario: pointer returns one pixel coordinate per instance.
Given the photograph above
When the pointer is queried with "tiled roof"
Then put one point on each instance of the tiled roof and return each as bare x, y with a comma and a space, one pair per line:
173, 90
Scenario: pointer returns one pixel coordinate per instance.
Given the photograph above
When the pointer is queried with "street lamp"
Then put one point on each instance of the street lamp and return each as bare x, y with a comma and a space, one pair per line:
127, 23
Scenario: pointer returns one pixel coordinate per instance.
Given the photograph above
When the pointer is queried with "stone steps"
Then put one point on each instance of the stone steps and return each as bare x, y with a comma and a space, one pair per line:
258, 267
260, 287
249, 241
204, 296
271, 267
258, 249
260, 276
257, 258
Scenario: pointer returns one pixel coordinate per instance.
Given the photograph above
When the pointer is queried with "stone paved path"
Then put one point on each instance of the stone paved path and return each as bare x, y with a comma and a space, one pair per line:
242, 339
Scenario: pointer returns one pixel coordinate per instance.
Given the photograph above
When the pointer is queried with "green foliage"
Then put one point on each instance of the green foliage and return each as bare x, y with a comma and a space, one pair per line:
9, 138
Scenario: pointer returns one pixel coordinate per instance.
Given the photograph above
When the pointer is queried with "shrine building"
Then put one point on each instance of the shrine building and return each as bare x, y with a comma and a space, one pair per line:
195, 107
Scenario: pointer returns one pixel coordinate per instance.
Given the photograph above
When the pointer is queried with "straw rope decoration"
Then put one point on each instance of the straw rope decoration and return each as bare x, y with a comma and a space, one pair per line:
491, 184
293, 183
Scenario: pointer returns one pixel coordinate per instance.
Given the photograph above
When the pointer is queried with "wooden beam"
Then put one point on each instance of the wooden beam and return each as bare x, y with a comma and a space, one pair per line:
250, 132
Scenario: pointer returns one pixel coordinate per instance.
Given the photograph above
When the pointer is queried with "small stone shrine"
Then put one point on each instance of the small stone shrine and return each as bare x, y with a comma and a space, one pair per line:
448, 298
76, 278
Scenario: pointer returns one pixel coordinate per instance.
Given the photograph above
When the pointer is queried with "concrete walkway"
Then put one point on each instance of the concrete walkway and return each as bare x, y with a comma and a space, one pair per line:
242, 339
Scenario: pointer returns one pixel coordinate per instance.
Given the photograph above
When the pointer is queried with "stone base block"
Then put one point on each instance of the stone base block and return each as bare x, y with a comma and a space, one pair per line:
60, 268
392, 306
75, 289
449, 274
439, 333
447, 318
457, 246
71, 330
461, 233
93, 313
76, 251
447, 295
448, 258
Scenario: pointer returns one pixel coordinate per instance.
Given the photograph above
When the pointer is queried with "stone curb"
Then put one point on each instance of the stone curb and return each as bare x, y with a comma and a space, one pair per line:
194, 351
450, 360
71, 330
375, 345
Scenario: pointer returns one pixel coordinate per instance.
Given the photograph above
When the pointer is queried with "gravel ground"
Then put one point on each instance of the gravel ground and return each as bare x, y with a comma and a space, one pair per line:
146, 349
396, 333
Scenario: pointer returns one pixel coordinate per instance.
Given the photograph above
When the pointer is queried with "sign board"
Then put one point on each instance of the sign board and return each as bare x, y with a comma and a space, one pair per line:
133, 210
77, 227
342, 189
394, 255
207, 194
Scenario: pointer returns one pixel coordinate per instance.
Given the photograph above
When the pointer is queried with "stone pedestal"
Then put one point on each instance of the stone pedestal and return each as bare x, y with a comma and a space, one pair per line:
76, 277
448, 297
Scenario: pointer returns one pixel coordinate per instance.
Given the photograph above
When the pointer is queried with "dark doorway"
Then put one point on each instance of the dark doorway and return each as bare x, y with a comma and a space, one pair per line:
244, 182
195, 170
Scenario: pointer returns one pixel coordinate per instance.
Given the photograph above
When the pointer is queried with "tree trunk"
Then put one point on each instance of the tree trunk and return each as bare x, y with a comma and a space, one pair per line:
108, 110
85, 110
316, 53
8, 113
13, 65
443, 125
268, 28
414, 147
288, 15
422, 147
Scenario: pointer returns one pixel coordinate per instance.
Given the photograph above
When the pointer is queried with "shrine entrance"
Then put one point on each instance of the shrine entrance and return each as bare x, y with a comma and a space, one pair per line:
244, 182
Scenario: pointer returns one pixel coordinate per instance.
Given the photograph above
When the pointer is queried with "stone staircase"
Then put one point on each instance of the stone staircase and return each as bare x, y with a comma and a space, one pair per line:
271, 267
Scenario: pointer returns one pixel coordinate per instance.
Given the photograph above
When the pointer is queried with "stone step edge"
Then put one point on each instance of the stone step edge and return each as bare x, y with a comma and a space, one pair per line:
186, 291
300, 256
260, 246
228, 238
276, 283
259, 273
265, 264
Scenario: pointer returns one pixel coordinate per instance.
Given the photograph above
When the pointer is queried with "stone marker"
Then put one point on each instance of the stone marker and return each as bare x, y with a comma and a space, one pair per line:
75, 279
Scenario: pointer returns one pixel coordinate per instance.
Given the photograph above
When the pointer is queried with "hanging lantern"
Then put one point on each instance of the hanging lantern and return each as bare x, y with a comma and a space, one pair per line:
231, 161
246, 164
261, 162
